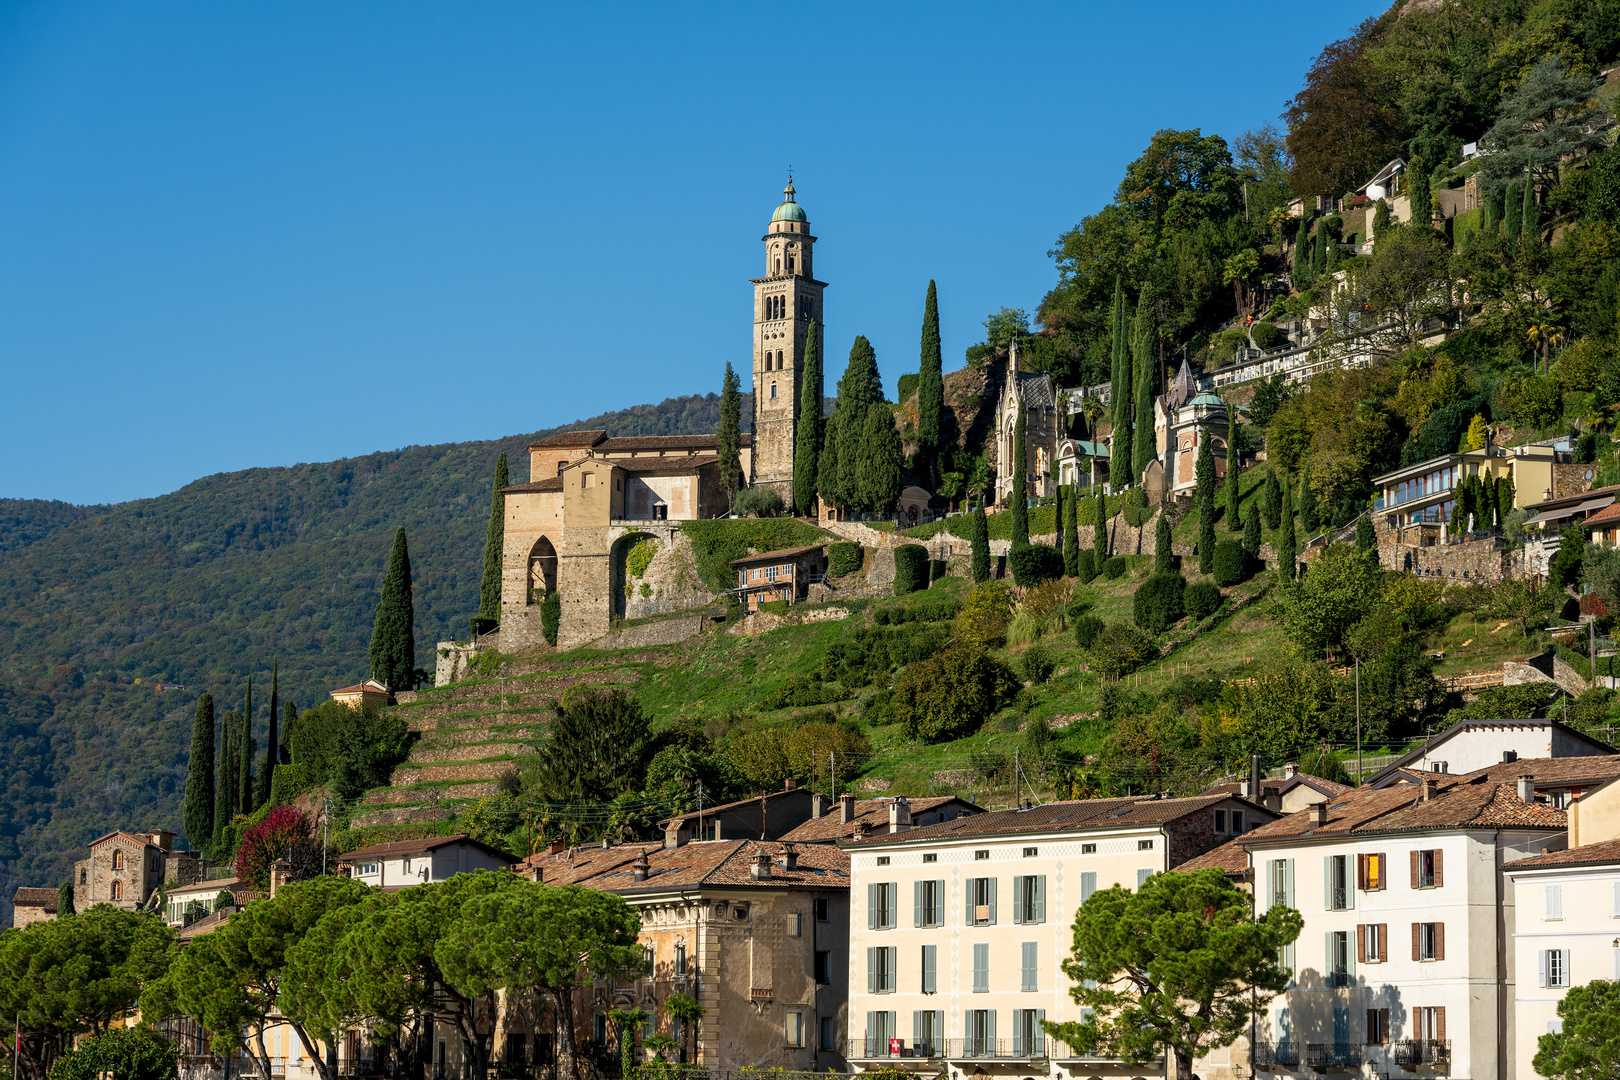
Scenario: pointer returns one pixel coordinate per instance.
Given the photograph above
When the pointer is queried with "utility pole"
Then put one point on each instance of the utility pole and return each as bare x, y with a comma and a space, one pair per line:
1358, 721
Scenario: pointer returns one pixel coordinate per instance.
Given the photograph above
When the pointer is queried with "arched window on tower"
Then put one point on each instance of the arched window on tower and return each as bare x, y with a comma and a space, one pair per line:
790, 264
778, 268
773, 391
118, 890
779, 361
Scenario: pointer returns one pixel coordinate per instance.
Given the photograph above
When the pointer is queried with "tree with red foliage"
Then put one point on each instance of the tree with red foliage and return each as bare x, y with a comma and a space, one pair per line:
271, 839
1342, 128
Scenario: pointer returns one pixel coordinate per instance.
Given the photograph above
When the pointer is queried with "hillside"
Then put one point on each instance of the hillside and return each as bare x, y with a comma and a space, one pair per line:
202, 588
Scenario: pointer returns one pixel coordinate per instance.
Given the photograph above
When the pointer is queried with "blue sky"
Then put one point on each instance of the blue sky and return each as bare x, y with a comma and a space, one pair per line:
235, 235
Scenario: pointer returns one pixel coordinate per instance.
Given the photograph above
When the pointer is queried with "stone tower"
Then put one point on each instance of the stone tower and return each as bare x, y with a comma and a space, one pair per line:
785, 300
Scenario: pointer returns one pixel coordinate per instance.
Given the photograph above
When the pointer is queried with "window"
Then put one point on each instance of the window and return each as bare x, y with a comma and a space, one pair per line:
1370, 872
981, 968
980, 1031
793, 1027
1372, 946
118, 890
823, 968
821, 910
369, 869
1028, 968
1554, 967
118, 860
1377, 1027
795, 925
1088, 849
1338, 958
1554, 896
1426, 869
928, 903
84, 877
1280, 882
1029, 898
930, 969
826, 1042
1030, 853
1144, 845
981, 902
648, 957
1220, 821
1428, 941
1088, 884
680, 958
1429, 1022
1029, 1039
773, 391
931, 857
880, 970
883, 860
1142, 876
927, 1031
1237, 821
981, 854
1336, 883
880, 905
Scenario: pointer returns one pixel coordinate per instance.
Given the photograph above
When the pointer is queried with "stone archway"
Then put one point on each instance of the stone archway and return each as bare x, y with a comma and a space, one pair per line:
542, 570
619, 583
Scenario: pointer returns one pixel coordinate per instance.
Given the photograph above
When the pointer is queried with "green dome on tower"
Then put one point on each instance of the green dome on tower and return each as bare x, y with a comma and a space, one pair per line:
789, 210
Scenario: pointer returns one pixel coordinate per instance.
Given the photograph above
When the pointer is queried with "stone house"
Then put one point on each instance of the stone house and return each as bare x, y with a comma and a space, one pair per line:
31, 905
125, 869
1182, 415
1045, 422
952, 974
785, 575
370, 693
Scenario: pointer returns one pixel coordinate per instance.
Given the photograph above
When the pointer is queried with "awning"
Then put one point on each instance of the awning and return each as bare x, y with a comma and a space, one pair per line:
1571, 511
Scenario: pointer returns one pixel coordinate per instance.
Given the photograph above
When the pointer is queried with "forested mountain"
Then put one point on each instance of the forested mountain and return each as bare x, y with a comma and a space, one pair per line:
204, 587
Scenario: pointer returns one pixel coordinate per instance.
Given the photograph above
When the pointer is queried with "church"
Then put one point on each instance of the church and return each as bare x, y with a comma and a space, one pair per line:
591, 497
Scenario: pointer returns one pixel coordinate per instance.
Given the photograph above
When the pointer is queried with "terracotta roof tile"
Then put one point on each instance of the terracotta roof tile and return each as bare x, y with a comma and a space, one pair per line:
1231, 857
869, 813
27, 896
217, 885
701, 863
429, 843
626, 443
1077, 816
710, 811
550, 483
1552, 772
1460, 802
569, 440
780, 553
661, 464
1587, 854
1607, 514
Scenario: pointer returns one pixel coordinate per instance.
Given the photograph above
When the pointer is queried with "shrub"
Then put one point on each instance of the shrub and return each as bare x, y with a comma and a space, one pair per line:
984, 616
1114, 568
136, 1053
797, 691
1037, 664
1023, 629
1136, 508
1035, 563
268, 841
1267, 336
551, 616
1229, 562
718, 541
1086, 570
759, 502
845, 557
910, 568
1086, 629
288, 782
908, 386
950, 694
1119, 649
1158, 602
1202, 599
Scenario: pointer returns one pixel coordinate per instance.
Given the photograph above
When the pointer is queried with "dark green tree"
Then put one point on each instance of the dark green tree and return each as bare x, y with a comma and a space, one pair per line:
289, 717
728, 435
979, 541
1071, 533
858, 390
393, 634
1287, 549
1417, 188
1530, 225
1234, 499
1307, 500
198, 815
245, 749
1058, 518
807, 438
64, 899
1551, 115
1099, 522
225, 788
931, 384
1365, 541
878, 477
1271, 499
1587, 1046
1120, 403
1144, 336
272, 745
489, 587
1164, 558
1204, 497
1514, 215
827, 465
596, 748
123, 1053
1251, 531
1018, 497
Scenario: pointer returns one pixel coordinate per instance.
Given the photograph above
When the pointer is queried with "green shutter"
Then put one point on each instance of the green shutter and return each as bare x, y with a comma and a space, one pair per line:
1040, 898
917, 904
1018, 898
871, 978
992, 901
871, 907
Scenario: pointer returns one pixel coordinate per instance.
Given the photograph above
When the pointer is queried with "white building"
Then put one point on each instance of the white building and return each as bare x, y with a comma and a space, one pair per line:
414, 862
1480, 744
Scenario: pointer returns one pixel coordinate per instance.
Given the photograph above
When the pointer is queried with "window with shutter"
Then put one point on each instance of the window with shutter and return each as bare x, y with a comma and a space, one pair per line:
1555, 901
1018, 898
1617, 903
981, 968
1028, 978
930, 969
1088, 884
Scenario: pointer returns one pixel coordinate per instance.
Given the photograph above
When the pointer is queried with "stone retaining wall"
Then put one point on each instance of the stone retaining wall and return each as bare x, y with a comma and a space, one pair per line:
663, 632
413, 815
391, 795
470, 752
415, 774
759, 622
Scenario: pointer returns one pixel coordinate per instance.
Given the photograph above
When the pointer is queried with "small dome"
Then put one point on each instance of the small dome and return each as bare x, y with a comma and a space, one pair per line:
789, 210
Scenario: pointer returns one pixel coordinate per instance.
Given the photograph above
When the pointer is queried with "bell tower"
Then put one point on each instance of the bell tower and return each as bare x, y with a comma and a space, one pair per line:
785, 300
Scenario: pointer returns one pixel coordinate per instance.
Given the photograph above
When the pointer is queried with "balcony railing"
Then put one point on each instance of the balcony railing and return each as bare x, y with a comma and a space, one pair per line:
1410, 1053
1335, 1055
1283, 1055
958, 1049
1340, 978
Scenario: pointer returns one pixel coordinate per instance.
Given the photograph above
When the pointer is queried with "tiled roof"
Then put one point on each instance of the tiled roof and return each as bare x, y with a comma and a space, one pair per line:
1231, 857
781, 553
430, 843
868, 813
1555, 772
1607, 514
147, 840
550, 483
710, 811
1078, 816
216, 886
699, 864
665, 442
569, 440
1281, 785
1429, 746
206, 925
1578, 497
27, 896
662, 464
1586, 855
1458, 802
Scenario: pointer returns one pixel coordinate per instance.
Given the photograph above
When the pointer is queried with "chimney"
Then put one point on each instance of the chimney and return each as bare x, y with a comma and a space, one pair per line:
762, 866
1527, 788
558, 846
1319, 814
1254, 778
640, 867
1509, 756
1289, 770
606, 843
164, 839
675, 836
1429, 788
788, 860
818, 806
789, 784
537, 873
899, 814
846, 809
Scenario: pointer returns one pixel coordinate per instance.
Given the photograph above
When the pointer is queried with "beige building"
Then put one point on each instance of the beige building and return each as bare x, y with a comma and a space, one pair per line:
31, 905
1046, 422
1416, 501
959, 929
362, 695
1183, 415
784, 575
786, 300
125, 869
1285, 794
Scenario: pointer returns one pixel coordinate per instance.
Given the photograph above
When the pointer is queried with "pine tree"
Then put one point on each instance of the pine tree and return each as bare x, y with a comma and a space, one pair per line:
272, 746
1058, 519
1511, 203
1287, 550
1307, 501
199, 803
1234, 499
489, 590
1271, 499
807, 440
1204, 497
728, 437
827, 465
393, 634
1100, 526
245, 748
1365, 541
1530, 227
979, 541
1251, 531
1071, 533
1120, 405
879, 473
1164, 558
931, 383
859, 388
1018, 497
1142, 341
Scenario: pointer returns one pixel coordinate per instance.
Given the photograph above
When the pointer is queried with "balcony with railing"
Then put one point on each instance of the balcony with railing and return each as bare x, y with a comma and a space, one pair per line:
1333, 1057
1273, 1056
1410, 1053
1037, 1047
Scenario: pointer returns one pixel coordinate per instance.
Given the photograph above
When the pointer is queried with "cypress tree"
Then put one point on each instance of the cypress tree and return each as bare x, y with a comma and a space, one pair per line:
1530, 227
1271, 499
727, 437
1142, 341
64, 900
1071, 533
979, 540
878, 476
1234, 499
1058, 519
1330, 260
272, 746
1018, 498
199, 803
859, 388
1163, 555
1100, 525
1380, 217
1204, 495
1119, 402
1493, 215
807, 439
827, 465
1511, 202
289, 717
225, 788
1417, 190
1307, 500
489, 589
393, 634
244, 774
1251, 531
1365, 541
1287, 550
931, 381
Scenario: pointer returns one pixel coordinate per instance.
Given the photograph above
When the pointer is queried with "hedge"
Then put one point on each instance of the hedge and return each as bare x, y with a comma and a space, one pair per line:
1203, 599
1114, 568
1230, 563
910, 568
551, 616
1158, 602
1120, 648
1086, 629
1086, 570
845, 557
1034, 564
